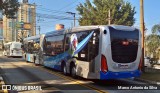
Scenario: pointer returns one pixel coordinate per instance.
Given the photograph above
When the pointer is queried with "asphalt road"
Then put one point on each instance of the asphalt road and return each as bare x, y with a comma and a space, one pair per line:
16, 71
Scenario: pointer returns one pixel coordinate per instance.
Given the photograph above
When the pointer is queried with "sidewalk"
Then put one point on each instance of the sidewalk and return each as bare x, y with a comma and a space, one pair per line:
150, 76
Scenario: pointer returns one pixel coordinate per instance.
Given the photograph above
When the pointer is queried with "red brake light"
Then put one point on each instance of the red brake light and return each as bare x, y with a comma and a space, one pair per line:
104, 66
126, 43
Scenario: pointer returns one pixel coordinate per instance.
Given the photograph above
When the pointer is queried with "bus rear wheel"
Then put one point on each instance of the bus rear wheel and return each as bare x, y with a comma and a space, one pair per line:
34, 60
73, 71
64, 68
26, 59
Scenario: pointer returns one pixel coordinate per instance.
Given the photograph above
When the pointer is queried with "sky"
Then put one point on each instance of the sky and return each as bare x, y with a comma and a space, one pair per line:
58, 8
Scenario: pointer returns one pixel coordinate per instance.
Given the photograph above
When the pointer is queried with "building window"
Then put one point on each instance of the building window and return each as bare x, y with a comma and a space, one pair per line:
10, 24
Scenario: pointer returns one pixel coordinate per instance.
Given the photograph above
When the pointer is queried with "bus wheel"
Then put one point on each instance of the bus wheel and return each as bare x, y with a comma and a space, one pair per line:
64, 69
25, 58
34, 60
73, 71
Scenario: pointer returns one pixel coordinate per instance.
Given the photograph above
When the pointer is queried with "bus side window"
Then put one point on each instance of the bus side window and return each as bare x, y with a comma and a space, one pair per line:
67, 42
54, 45
94, 45
44, 44
83, 54
90, 51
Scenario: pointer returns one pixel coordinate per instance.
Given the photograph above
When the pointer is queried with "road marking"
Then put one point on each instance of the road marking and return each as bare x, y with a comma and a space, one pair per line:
69, 78
76, 81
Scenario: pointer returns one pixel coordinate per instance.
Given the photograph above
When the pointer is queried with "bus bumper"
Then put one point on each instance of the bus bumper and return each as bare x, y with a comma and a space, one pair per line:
117, 75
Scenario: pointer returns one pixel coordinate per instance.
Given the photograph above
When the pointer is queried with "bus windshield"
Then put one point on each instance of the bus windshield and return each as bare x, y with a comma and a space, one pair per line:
124, 45
17, 45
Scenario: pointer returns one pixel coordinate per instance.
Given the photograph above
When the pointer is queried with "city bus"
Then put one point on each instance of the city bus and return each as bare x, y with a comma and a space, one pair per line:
94, 52
12, 49
30, 48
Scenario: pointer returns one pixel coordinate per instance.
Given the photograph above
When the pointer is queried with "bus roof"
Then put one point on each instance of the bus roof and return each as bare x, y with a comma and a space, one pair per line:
56, 32
12, 42
32, 37
80, 28
120, 27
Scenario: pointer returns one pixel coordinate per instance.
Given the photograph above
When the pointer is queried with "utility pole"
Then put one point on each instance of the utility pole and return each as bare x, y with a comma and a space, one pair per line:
109, 17
142, 31
74, 15
39, 29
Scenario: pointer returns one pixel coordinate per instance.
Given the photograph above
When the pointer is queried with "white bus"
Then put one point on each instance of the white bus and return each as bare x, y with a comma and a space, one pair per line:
12, 49
94, 52
31, 48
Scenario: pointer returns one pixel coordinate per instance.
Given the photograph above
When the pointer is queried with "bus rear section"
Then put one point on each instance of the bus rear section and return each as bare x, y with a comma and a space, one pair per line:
31, 48
15, 49
121, 53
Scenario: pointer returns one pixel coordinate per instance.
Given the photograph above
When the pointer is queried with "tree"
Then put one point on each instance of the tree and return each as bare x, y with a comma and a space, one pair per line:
156, 28
9, 7
153, 41
97, 13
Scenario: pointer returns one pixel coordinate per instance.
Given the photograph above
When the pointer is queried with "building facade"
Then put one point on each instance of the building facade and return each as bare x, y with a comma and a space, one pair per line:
1, 27
1, 32
26, 14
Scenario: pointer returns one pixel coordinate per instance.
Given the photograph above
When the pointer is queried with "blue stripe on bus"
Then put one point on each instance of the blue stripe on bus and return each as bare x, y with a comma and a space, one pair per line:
117, 75
55, 61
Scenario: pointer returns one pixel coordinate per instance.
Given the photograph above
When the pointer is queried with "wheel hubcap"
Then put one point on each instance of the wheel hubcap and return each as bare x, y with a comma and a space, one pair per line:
64, 70
73, 71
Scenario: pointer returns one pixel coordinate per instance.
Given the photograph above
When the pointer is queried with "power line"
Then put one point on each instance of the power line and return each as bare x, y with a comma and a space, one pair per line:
50, 10
68, 5
50, 16
58, 11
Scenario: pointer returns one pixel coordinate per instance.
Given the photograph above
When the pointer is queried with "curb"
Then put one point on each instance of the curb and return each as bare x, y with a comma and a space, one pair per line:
147, 81
2, 83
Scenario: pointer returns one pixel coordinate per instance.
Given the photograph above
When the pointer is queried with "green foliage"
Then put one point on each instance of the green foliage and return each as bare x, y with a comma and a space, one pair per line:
97, 13
153, 41
156, 28
9, 7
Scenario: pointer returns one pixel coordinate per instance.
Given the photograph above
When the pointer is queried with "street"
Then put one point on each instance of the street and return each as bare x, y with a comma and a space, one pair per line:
16, 71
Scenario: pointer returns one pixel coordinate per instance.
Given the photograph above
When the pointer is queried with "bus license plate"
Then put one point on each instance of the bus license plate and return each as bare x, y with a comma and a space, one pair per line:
123, 66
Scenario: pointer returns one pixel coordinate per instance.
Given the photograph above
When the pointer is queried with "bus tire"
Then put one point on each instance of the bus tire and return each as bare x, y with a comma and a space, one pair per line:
34, 60
64, 69
25, 58
73, 71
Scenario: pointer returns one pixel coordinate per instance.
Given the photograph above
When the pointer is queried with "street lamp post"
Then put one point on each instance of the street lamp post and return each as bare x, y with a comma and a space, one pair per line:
74, 15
